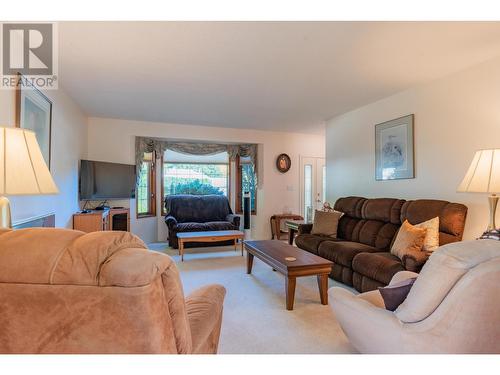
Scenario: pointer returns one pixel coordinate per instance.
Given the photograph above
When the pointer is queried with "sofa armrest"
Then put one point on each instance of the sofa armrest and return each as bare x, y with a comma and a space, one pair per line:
170, 221
346, 305
369, 328
305, 228
233, 219
414, 260
401, 276
204, 311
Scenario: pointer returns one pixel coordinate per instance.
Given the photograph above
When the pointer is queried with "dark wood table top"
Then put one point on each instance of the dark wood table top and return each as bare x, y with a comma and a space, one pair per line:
276, 251
287, 216
294, 224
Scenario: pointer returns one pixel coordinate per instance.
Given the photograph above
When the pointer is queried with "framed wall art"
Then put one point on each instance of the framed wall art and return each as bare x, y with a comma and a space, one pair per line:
283, 163
34, 112
394, 149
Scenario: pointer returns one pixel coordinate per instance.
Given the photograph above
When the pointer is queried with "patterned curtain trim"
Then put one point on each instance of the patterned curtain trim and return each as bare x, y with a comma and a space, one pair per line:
145, 145
195, 148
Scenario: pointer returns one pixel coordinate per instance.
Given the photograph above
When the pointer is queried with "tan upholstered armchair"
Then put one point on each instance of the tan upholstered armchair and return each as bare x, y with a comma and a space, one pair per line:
453, 306
63, 291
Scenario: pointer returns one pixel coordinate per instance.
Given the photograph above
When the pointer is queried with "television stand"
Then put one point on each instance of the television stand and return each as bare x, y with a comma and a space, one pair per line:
119, 219
101, 220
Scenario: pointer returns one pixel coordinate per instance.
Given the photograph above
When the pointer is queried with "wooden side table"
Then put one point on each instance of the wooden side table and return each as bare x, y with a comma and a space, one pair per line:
101, 220
94, 221
276, 224
293, 228
125, 223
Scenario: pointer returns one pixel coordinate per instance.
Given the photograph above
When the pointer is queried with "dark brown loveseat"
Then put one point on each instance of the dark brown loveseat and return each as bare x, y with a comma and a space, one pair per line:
361, 251
198, 213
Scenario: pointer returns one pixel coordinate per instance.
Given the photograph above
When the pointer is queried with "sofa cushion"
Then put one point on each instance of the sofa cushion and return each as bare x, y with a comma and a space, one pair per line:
326, 223
387, 210
343, 252
369, 232
431, 241
203, 227
377, 266
395, 294
310, 242
363, 283
373, 222
409, 239
350, 206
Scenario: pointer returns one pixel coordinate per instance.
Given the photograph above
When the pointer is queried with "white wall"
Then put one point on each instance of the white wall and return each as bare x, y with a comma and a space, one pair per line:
113, 140
454, 117
69, 141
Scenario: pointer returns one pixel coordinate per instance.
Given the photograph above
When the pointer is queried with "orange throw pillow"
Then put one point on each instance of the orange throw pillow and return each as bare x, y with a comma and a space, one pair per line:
409, 239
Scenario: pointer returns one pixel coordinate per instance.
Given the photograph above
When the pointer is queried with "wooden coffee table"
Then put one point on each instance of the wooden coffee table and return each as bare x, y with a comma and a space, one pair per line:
211, 236
277, 254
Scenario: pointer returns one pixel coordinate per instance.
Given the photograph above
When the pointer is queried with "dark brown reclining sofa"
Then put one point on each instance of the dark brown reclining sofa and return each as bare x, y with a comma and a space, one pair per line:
361, 251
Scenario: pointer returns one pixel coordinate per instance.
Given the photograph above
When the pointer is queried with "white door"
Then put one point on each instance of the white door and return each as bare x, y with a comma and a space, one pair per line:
312, 186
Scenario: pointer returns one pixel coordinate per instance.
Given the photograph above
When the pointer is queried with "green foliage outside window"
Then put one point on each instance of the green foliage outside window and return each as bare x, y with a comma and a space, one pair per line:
248, 182
195, 187
143, 189
195, 178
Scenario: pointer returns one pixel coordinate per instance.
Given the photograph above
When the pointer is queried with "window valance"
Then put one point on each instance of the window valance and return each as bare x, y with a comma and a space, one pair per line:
159, 145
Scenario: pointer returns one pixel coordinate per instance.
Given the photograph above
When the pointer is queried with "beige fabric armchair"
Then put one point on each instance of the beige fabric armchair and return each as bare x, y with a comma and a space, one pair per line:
64, 291
453, 307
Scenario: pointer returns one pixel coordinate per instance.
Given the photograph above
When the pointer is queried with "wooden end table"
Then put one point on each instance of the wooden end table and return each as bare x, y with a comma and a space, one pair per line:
293, 227
278, 255
210, 236
275, 221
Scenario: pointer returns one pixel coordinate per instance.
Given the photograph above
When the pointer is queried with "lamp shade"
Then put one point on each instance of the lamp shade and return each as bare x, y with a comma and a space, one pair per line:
483, 175
22, 167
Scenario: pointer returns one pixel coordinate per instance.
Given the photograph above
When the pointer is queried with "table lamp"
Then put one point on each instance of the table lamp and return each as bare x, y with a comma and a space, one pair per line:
483, 176
22, 169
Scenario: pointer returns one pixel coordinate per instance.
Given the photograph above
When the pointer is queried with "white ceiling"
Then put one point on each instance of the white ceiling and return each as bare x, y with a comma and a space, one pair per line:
288, 76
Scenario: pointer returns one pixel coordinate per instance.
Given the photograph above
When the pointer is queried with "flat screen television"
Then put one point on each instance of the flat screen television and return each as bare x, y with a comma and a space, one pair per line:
102, 180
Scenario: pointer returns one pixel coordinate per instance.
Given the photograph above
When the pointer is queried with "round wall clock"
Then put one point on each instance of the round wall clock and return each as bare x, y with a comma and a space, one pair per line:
283, 163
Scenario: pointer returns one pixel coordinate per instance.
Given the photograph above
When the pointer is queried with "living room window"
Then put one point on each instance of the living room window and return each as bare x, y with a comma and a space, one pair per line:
195, 174
245, 182
145, 195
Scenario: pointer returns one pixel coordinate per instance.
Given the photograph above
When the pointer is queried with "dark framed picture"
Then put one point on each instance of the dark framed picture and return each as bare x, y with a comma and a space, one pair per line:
394, 149
283, 163
34, 112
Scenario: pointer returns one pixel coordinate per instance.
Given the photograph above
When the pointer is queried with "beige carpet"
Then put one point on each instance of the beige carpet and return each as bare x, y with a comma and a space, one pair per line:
255, 319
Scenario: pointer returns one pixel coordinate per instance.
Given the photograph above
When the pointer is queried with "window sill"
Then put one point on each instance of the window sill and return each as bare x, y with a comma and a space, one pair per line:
143, 216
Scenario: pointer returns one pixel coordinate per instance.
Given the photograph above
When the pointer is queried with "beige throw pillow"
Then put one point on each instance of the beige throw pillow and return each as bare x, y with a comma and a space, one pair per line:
431, 241
326, 223
408, 239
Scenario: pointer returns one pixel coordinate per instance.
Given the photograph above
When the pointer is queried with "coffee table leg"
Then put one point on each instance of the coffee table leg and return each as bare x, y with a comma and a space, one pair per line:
235, 244
242, 247
181, 249
290, 292
323, 288
249, 262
